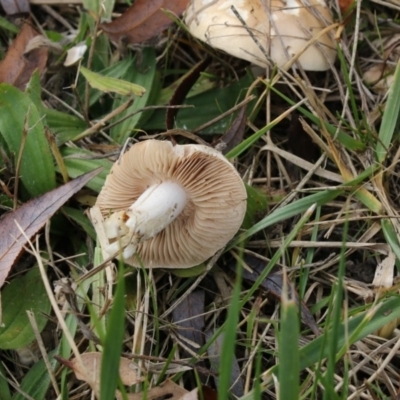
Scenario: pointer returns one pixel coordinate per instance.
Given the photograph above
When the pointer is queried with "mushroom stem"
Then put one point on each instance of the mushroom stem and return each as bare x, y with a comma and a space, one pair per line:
154, 210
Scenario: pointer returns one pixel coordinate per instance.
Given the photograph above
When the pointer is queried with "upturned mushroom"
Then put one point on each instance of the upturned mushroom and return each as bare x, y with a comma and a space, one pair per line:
171, 206
284, 30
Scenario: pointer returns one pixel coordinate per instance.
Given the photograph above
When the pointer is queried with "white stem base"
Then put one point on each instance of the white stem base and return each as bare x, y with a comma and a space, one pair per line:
155, 209
152, 212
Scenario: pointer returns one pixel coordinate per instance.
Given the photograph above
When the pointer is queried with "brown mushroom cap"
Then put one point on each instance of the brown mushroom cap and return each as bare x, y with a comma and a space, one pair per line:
214, 212
282, 34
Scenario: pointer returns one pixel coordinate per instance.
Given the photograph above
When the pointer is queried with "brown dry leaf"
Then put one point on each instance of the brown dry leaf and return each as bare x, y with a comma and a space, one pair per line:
12, 7
18, 66
192, 395
188, 317
143, 20
31, 217
92, 367
273, 284
169, 389
214, 354
345, 5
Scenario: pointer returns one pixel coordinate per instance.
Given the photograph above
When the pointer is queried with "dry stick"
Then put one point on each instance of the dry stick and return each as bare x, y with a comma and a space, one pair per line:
42, 348
102, 122
143, 110
64, 104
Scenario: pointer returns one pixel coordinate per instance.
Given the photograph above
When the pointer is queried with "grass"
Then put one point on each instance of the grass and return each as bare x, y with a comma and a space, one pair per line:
322, 223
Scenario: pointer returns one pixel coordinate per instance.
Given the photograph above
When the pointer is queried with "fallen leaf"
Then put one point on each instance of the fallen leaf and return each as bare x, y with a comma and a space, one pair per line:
144, 20
90, 370
273, 284
17, 66
214, 355
192, 395
75, 54
169, 389
345, 5
31, 217
12, 7
108, 84
188, 317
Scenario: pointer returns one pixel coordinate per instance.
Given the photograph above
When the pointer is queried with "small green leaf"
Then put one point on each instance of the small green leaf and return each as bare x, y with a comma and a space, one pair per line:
37, 171
37, 381
64, 126
108, 84
103, 8
23, 293
80, 161
150, 80
205, 107
80, 218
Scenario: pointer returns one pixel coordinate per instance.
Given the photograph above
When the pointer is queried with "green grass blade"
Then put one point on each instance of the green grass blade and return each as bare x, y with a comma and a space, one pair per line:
390, 118
333, 333
289, 373
150, 80
109, 376
37, 171
370, 321
229, 343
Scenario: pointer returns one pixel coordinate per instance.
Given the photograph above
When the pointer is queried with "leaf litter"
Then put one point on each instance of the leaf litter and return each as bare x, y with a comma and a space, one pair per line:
18, 65
30, 218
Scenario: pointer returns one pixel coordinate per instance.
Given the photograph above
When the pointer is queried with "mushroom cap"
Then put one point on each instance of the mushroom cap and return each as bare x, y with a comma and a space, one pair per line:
214, 212
293, 25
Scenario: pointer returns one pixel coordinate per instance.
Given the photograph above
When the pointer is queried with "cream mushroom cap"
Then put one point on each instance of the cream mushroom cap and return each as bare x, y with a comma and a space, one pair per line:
283, 34
214, 206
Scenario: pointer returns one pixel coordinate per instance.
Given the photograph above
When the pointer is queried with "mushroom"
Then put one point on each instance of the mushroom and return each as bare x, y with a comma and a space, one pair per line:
172, 206
380, 75
292, 27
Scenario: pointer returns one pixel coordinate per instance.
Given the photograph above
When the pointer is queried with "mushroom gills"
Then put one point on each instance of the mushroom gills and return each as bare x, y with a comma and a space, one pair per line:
152, 212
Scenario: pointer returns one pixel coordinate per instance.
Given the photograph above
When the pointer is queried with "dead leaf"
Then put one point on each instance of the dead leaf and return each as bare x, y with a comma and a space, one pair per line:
188, 317
92, 367
273, 284
12, 7
143, 20
192, 395
345, 5
208, 393
31, 217
169, 389
17, 66
214, 354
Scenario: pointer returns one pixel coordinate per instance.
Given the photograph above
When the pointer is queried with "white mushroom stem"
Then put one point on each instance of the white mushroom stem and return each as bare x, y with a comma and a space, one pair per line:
154, 210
